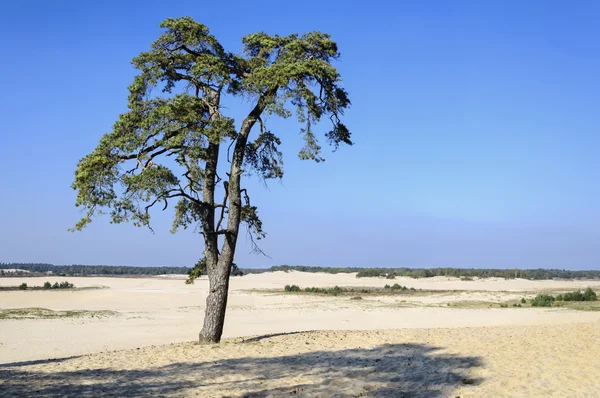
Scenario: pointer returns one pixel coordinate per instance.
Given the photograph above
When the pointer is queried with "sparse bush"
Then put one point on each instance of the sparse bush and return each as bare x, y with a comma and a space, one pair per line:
56, 285
23, 286
334, 291
466, 278
589, 295
503, 305
47, 285
356, 298
371, 273
387, 287
523, 301
577, 295
390, 276
292, 288
542, 300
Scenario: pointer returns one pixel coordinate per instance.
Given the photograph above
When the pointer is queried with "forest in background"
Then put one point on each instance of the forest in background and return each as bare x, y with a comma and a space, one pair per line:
37, 269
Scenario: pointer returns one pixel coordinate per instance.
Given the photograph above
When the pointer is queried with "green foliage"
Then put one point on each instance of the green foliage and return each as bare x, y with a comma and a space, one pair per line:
396, 286
334, 291
542, 300
165, 147
371, 273
47, 285
56, 286
390, 276
577, 295
89, 270
466, 278
523, 301
23, 286
292, 288
200, 269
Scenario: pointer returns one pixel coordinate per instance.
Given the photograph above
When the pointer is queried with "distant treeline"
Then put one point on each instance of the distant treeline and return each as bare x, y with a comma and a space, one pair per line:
84, 270
431, 272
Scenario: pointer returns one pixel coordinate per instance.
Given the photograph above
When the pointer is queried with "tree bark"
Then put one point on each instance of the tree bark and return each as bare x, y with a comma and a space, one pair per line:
216, 303
219, 270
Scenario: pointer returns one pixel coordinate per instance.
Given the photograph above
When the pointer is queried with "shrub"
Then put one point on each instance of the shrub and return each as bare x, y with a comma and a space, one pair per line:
589, 295
65, 285
577, 295
334, 291
396, 286
292, 288
523, 301
23, 286
47, 285
466, 278
370, 273
387, 287
390, 276
55, 286
542, 300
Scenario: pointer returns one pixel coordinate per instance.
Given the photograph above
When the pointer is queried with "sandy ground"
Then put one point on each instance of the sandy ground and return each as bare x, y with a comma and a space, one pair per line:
378, 346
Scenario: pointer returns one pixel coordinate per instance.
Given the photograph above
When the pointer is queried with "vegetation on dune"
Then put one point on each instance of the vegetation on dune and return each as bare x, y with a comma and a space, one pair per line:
337, 290
43, 313
546, 300
542, 300
577, 295
47, 285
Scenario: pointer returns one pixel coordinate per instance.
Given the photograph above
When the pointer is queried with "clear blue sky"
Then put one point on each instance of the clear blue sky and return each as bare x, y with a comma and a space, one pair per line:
476, 127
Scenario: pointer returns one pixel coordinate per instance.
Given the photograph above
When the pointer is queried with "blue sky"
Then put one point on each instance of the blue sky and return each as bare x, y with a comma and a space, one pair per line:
475, 123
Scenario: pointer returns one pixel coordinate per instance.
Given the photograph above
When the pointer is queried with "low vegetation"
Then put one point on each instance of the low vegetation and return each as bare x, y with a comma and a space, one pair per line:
44, 313
546, 300
337, 290
47, 286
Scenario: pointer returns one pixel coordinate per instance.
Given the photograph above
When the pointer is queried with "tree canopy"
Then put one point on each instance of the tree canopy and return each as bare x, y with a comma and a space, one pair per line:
163, 147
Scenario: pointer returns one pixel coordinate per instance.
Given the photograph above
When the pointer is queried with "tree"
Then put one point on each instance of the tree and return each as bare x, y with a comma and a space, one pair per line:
169, 146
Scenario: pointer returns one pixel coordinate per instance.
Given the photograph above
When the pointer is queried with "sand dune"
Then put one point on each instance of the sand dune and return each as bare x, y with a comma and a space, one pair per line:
379, 346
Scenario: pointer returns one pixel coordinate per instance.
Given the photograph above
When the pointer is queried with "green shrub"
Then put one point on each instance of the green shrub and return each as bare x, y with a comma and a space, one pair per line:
23, 286
334, 291
371, 273
47, 285
292, 288
387, 287
466, 278
542, 300
589, 295
55, 286
577, 295
523, 301
390, 276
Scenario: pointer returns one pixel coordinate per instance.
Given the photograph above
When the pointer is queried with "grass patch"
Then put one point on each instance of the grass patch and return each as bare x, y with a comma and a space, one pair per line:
44, 313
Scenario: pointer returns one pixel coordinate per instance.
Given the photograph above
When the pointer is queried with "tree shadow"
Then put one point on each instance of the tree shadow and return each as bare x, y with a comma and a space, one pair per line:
392, 370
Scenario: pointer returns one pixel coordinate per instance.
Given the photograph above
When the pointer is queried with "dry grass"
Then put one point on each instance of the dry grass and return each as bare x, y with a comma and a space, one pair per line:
43, 313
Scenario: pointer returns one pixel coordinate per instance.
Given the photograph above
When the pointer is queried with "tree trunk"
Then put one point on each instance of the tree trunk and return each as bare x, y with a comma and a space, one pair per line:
216, 303
219, 266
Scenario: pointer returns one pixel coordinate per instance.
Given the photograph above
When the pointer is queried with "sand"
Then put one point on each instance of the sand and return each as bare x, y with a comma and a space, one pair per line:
378, 346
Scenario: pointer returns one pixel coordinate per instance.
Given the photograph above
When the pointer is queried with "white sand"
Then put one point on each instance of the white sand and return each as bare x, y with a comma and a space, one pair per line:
158, 310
